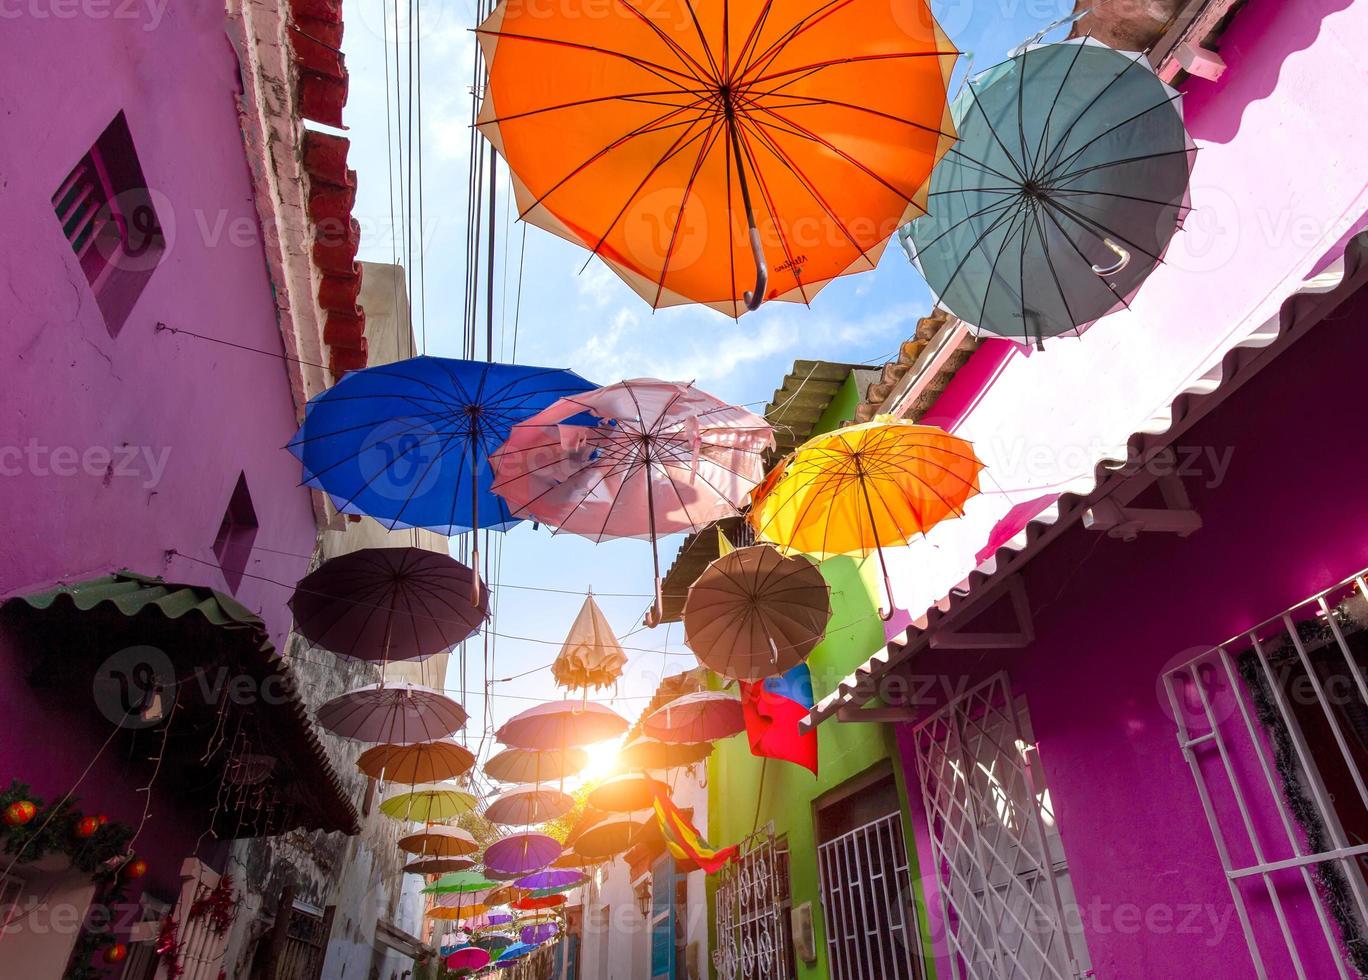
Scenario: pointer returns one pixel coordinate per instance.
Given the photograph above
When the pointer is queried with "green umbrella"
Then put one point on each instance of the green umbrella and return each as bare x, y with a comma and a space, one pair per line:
1069, 181
459, 883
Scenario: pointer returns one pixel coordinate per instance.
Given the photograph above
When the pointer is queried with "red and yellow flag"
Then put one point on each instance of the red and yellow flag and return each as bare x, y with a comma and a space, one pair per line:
685, 842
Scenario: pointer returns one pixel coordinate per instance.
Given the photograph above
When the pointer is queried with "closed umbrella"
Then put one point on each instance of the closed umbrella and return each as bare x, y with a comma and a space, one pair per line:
754, 613
428, 804
439, 842
591, 655
386, 604
703, 716
520, 854
561, 725
1069, 181
720, 153
638, 459
867, 487
525, 805
400, 714
533, 766
421, 762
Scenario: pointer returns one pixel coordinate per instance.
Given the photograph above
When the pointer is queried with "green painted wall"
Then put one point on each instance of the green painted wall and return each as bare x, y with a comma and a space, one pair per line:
737, 804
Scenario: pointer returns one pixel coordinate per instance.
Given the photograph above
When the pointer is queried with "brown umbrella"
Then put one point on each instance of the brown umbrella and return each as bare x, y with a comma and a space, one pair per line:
533, 766
625, 794
420, 762
648, 753
438, 866
439, 842
608, 837
754, 613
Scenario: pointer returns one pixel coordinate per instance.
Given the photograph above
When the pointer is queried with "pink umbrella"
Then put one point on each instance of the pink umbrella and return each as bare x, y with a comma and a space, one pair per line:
531, 766
400, 714
637, 459
469, 958
703, 716
560, 725
520, 854
524, 805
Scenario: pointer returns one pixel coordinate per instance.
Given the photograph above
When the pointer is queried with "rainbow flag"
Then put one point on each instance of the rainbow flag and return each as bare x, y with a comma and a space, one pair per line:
684, 841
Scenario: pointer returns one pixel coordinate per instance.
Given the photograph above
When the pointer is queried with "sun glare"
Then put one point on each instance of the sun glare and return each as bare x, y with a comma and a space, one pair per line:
603, 760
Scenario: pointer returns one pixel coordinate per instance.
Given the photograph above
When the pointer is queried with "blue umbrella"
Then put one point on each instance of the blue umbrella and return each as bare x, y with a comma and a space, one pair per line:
408, 443
515, 951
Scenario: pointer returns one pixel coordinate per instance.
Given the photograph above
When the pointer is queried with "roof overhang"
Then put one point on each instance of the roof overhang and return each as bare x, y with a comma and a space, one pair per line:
996, 573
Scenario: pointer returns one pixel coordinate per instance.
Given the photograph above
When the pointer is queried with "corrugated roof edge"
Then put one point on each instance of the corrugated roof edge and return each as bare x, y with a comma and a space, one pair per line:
1299, 313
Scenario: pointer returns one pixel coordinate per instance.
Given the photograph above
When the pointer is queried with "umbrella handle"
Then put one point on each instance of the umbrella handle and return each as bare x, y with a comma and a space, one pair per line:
754, 299
475, 567
1123, 258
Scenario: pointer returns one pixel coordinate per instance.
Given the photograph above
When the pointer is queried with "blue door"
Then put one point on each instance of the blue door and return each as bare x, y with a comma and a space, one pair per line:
663, 919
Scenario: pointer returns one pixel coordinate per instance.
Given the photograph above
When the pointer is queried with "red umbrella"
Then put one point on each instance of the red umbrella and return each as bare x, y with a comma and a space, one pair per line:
561, 725
703, 716
637, 459
384, 604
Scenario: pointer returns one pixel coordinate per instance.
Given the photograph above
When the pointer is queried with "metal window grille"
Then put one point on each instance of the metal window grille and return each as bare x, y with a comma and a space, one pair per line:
999, 864
870, 931
752, 928
306, 944
1271, 724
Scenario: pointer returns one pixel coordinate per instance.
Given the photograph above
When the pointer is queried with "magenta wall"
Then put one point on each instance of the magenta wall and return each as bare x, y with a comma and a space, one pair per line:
1286, 521
213, 410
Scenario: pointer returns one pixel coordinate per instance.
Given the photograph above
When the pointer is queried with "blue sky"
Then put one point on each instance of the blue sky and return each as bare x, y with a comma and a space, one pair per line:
584, 318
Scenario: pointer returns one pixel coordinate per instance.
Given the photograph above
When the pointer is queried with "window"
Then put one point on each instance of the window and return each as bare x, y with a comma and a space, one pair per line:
752, 897
233, 545
862, 863
109, 219
1274, 727
1000, 871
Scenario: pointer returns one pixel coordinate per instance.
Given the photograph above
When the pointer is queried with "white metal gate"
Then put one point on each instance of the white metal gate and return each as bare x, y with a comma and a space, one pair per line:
752, 927
999, 863
870, 931
1274, 726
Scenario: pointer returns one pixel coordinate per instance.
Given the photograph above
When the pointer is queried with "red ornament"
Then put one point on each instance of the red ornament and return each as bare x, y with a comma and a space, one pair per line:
86, 827
135, 869
101, 820
20, 813
116, 953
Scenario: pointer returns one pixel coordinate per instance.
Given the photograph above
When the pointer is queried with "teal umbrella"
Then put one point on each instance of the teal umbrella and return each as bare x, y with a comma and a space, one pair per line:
1069, 181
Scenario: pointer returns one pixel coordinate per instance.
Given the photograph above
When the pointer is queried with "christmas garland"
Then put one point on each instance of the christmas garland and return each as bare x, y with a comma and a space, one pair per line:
32, 830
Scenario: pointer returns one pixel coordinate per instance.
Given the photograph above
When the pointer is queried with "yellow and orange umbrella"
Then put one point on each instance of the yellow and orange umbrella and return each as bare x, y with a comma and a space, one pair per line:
864, 488
685, 140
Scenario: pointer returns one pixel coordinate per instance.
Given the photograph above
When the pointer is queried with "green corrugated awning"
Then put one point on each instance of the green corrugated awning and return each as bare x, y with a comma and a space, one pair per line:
199, 629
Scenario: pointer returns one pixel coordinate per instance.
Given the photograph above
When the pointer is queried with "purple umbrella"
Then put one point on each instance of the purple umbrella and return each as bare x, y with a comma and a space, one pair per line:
400, 714
520, 854
386, 604
553, 878
540, 933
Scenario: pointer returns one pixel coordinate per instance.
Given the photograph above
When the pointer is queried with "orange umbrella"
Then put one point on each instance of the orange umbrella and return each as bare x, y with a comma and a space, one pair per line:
644, 132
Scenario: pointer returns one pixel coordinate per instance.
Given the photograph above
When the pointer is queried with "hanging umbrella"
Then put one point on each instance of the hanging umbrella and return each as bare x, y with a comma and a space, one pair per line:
455, 914
439, 842
464, 900
638, 459
755, 613
428, 804
469, 958
530, 904
462, 882
626, 793
515, 951
560, 725
437, 866
406, 443
644, 753
562, 878
540, 933
607, 837
503, 895
531, 766
401, 714
521, 854
1070, 180
421, 762
867, 487
487, 921
591, 655
703, 716
572, 861
504, 876
494, 941
638, 133
524, 805
386, 604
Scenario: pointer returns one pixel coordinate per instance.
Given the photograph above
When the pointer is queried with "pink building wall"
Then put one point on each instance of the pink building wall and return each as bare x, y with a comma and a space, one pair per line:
1278, 185
204, 411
